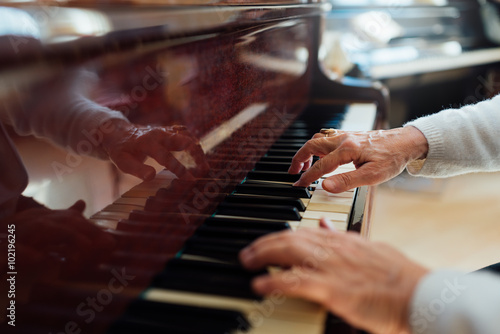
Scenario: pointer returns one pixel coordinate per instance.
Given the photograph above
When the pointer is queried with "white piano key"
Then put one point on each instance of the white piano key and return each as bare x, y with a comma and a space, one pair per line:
131, 201
105, 223
139, 193
276, 312
323, 193
319, 186
110, 215
329, 215
314, 223
126, 208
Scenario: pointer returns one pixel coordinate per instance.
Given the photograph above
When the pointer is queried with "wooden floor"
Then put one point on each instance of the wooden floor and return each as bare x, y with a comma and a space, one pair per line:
452, 223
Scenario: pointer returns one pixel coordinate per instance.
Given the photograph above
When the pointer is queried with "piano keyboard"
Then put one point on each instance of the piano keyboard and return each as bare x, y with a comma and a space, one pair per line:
204, 278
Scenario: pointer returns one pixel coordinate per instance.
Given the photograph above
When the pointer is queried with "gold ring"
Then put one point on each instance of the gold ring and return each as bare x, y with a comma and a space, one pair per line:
328, 132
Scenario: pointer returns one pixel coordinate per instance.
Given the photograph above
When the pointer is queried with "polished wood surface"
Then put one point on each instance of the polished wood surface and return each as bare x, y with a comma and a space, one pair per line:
245, 68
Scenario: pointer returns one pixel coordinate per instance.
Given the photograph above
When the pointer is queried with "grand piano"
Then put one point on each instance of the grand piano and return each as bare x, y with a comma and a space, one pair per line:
245, 79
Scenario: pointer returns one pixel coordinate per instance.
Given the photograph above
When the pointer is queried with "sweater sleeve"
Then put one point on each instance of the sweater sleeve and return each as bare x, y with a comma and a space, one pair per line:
70, 118
450, 302
460, 140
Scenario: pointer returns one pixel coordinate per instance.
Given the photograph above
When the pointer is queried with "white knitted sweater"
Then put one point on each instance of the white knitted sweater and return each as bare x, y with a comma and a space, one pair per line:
460, 141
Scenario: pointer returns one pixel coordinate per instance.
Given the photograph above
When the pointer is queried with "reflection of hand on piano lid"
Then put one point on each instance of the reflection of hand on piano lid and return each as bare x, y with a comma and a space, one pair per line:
129, 145
377, 155
51, 244
367, 284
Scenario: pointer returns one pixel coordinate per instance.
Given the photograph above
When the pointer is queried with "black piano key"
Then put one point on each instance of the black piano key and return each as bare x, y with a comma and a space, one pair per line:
281, 153
234, 244
281, 159
274, 158
290, 141
287, 146
303, 136
214, 251
258, 211
295, 132
272, 226
230, 232
272, 166
272, 183
207, 277
266, 200
144, 316
273, 190
273, 176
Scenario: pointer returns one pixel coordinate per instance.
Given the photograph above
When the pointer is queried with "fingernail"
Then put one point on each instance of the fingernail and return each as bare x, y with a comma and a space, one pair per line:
328, 184
259, 284
246, 255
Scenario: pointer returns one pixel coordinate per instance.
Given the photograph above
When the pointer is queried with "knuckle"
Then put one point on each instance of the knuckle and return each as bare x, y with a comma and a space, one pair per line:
318, 165
345, 179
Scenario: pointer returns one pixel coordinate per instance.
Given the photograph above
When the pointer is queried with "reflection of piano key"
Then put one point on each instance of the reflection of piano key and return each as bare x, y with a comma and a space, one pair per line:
207, 272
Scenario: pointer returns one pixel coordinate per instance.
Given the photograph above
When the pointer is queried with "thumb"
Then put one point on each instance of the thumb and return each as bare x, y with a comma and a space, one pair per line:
345, 181
79, 206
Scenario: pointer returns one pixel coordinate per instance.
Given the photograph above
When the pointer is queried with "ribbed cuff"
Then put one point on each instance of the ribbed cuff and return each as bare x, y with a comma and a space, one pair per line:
436, 147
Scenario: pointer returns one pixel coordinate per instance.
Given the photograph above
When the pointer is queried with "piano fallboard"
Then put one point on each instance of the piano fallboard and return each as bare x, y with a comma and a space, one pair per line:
242, 79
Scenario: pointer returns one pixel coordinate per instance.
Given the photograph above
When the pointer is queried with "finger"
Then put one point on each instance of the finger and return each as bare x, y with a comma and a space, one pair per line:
319, 146
85, 228
176, 167
55, 235
134, 165
305, 284
349, 180
307, 164
79, 206
285, 250
196, 151
194, 159
176, 142
318, 135
164, 158
324, 166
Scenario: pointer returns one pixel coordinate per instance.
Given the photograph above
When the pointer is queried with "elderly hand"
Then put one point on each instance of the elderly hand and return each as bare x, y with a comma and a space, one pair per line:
129, 145
377, 155
53, 242
367, 284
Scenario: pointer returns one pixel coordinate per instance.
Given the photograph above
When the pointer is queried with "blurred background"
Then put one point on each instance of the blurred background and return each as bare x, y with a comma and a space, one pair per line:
432, 55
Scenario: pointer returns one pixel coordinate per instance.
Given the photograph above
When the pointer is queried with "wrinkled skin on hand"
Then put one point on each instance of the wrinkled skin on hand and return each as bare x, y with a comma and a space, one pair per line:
129, 145
50, 243
368, 284
377, 155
